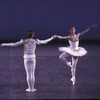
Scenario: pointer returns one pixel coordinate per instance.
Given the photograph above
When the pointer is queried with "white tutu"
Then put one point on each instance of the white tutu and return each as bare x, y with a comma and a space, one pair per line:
80, 51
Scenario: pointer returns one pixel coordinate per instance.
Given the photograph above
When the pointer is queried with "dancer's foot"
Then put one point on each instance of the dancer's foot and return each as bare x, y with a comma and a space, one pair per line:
73, 80
34, 90
28, 90
69, 64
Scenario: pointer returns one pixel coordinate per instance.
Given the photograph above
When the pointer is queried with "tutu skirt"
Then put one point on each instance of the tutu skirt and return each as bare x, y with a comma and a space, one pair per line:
80, 51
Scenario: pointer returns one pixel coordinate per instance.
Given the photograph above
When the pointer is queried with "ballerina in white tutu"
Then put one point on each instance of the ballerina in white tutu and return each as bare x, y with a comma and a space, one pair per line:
73, 50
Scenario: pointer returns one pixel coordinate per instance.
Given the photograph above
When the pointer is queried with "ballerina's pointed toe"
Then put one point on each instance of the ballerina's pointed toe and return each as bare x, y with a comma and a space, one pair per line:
69, 64
73, 80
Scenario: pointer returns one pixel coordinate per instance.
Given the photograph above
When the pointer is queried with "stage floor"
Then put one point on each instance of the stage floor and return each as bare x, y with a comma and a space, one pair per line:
52, 75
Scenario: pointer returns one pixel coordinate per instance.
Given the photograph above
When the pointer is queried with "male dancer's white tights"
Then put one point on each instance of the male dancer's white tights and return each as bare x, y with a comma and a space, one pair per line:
63, 57
30, 64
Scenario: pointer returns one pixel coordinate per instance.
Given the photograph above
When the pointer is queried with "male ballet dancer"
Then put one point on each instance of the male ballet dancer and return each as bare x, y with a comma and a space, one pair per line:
29, 56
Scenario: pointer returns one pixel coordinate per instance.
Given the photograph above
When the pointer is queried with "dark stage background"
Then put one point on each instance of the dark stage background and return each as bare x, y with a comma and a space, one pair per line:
48, 17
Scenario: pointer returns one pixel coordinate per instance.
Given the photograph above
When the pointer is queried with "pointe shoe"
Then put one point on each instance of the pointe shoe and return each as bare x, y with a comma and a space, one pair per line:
73, 80
28, 90
34, 90
69, 64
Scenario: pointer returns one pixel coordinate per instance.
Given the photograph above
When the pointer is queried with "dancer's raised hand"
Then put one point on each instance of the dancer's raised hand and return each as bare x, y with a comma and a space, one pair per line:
1, 44
95, 25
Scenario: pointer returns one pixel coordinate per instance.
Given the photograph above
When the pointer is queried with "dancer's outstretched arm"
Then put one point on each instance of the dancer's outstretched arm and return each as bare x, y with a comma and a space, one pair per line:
44, 41
62, 37
13, 44
86, 30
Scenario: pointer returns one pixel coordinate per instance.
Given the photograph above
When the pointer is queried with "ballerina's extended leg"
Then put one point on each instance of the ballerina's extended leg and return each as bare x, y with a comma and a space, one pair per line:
73, 69
63, 58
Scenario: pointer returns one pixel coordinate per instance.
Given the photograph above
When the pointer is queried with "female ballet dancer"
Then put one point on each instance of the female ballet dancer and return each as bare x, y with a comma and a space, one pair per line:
73, 50
29, 56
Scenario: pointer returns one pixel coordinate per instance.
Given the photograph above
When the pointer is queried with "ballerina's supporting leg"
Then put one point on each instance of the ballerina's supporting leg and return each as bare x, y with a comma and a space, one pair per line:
28, 73
73, 68
63, 57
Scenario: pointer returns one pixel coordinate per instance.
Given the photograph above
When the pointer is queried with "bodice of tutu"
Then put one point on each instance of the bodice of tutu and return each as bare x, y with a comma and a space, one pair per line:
73, 49
74, 42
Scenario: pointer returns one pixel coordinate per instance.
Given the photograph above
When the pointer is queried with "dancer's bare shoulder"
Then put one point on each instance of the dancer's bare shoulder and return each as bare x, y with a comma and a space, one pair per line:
68, 37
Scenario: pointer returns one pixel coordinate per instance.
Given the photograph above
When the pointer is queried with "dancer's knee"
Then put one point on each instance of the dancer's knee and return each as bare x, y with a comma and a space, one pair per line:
33, 77
60, 57
28, 76
74, 67
63, 55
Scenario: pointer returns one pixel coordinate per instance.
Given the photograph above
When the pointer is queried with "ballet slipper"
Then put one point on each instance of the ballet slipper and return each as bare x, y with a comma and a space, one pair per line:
34, 90
73, 80
28, 90
69, 64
